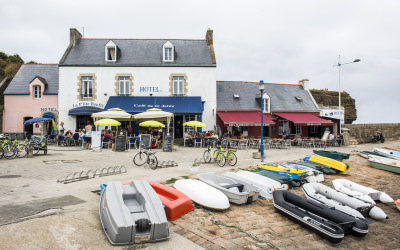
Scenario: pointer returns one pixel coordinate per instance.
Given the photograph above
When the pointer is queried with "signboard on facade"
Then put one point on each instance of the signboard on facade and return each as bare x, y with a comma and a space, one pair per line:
85, 104
333, 113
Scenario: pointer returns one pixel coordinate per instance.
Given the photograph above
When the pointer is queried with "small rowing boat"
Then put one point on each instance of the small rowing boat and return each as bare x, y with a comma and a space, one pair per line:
328, 162
386, 152
367, 154
383, 163
280, 178
360, 192
332, 154
298, 175
238, 192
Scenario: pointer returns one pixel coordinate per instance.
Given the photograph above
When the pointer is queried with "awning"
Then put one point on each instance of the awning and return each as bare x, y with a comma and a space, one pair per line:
304, 119
48, 115
173, 104
84, 110
244, 118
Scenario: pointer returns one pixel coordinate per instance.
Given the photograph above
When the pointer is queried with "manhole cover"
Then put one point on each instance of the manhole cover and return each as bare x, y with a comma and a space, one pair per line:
9, 176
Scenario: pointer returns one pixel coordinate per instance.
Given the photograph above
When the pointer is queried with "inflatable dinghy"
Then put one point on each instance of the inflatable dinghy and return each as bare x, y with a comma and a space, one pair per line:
327, 222
203, 194
312, 174
361, 192
332, 198
265, 184
132, 213
238, 192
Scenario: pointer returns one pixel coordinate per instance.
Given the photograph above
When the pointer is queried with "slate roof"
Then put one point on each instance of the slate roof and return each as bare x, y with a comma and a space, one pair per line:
282, 97
139, 52
47, 73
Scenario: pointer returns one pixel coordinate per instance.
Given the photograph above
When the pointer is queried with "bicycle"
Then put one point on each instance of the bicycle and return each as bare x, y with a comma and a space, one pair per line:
22, 149
9, 151
217, 155
38, 143
145, 156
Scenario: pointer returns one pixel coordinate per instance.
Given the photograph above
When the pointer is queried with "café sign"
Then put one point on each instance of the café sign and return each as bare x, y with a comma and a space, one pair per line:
85, 104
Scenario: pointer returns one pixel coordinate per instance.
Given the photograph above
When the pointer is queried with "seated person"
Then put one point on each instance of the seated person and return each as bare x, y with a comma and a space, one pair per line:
60, 134
188, 140
68, 134
157, 141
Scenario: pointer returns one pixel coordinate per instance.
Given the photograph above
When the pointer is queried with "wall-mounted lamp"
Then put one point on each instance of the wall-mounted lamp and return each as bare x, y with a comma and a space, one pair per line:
105, 94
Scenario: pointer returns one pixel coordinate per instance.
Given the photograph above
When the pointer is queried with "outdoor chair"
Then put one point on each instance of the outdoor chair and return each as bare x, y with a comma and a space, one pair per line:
243, 143
51, 139
106, 141
75, 139
134, 141
61, 141
287, 144
198, 141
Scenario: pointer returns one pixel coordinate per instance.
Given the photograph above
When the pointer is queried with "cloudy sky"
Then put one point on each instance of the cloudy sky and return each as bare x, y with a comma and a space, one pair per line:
277, 41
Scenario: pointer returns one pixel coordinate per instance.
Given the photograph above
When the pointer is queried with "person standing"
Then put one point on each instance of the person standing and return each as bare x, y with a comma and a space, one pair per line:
88, 135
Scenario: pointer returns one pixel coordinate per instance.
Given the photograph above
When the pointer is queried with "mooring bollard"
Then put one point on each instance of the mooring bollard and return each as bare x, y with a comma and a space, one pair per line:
30, 152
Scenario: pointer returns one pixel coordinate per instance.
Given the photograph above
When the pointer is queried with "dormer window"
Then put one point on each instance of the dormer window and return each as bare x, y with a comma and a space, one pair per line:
168, 52
37, 92
266, 103
111, 52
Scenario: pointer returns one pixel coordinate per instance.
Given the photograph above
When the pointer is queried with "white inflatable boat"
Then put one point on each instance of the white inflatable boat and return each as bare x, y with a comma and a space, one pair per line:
350, 205
361, 192
265, 184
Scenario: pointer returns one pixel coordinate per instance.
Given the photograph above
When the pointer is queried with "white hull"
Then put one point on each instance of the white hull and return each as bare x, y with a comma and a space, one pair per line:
238, 192
265, 184
332, 198
312, 174
203, 194
361, 192
390, 153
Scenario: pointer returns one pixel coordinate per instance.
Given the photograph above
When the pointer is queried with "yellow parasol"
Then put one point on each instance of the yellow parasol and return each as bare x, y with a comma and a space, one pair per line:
194, 124
107, 122
151, 123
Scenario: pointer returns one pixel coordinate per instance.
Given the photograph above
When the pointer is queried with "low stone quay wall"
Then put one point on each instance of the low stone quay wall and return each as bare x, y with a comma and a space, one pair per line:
364, 132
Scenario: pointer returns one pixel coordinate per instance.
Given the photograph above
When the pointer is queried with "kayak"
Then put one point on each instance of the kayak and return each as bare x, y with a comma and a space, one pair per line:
280, 178
324, 169
332, 154
328, 162
312, 174
298, 175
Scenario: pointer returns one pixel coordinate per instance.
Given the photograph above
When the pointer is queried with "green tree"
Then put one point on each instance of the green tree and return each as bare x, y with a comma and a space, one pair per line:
12, 69
15, 59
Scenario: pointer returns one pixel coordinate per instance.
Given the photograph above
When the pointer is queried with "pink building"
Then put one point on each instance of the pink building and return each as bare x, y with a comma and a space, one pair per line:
32, 93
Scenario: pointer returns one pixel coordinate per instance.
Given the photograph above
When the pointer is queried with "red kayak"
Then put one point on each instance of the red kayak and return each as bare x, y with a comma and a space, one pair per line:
175, 202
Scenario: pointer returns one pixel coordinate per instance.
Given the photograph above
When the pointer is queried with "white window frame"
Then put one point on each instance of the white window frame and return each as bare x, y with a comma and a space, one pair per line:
178, 85
37, 92
124, 82
110, 45
282, 126
298, 130
266, 103
168, 56
87, 84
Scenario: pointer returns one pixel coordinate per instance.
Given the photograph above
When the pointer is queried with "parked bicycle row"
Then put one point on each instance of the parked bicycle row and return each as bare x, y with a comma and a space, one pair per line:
11, 148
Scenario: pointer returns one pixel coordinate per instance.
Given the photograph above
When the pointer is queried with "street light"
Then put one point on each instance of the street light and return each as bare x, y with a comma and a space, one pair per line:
339, 65
261, 86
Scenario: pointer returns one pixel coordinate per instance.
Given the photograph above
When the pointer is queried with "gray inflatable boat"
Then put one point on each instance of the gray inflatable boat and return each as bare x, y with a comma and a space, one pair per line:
132, 213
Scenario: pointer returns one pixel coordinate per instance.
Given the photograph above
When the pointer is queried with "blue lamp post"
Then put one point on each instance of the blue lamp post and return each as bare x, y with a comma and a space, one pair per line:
262, 120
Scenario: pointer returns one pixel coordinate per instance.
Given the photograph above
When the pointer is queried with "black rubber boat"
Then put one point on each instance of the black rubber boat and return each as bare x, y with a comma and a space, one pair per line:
327, 222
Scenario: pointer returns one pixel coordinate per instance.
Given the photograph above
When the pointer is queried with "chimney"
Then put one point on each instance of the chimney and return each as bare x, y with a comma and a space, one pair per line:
74, 36
209, 37
305, 83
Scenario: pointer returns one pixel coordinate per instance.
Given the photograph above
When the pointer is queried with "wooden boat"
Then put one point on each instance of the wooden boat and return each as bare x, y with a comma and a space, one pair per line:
387, 164
343, 202
203, 194
132, 213
238, 192
299, 175
332, 154
265, 184
367, 154
328, 223
280, 178
324, 169
361, 192
312, 174
386, 152
175, 202
328, 162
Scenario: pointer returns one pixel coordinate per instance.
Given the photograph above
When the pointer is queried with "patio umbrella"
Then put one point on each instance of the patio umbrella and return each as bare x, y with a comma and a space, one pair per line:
114, 113
151, 123
155, 114
107, 122
194, 124
37, 120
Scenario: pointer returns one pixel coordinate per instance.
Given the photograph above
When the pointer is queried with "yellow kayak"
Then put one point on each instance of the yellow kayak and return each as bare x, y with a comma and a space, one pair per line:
330, 163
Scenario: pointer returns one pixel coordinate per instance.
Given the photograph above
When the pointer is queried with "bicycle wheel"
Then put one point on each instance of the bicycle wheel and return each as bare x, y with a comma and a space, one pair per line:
207, 156
220, 159
22, 150
45, 150
9, 152
231, 159
1, 152
36, 149
140, 158
152, 161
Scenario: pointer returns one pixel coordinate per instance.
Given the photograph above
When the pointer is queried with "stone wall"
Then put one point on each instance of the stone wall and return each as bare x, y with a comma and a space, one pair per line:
363, 132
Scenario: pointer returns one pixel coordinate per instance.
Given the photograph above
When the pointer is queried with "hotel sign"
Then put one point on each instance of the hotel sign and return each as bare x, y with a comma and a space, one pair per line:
86, 104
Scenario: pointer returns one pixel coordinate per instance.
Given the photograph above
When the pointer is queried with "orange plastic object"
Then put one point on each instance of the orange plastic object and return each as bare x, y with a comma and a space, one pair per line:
176, 203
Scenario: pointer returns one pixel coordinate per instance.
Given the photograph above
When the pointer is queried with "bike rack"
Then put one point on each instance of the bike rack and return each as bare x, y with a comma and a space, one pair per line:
85, 175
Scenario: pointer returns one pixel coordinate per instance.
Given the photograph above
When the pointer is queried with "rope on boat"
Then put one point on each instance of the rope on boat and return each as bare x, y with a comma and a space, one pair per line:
254, 237
85, 175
